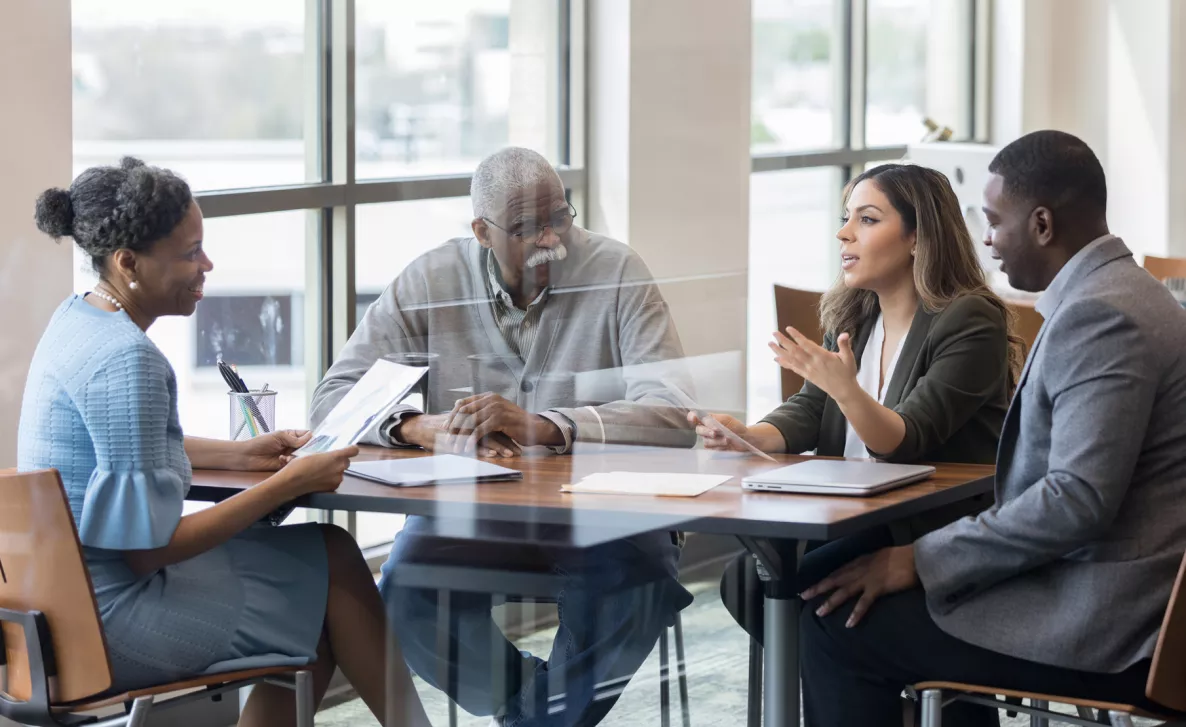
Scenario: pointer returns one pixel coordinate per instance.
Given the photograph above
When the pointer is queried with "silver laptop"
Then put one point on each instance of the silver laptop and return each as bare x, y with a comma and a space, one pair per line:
838, 477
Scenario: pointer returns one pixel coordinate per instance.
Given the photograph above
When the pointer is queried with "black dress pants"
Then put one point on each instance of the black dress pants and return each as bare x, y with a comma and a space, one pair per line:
855, 677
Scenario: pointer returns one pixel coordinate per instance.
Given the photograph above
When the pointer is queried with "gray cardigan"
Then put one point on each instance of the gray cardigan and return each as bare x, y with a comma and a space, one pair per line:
950, 386
605, 345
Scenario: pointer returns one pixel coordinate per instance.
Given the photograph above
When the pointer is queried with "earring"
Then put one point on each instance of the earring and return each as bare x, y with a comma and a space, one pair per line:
134, 285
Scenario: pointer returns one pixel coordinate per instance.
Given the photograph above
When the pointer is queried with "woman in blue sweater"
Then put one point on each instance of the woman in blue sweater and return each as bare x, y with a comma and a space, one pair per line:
212, 591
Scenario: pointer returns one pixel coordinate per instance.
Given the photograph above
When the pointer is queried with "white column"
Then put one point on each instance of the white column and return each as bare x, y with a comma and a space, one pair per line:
1112, 72
35, 153
949, 64
1137, 158
669, 158
1176, 193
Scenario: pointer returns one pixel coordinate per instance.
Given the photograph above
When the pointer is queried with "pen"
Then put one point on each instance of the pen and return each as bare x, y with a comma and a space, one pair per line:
238, 386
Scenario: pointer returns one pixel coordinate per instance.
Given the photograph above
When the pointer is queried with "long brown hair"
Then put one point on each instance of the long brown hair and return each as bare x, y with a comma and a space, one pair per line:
945, 263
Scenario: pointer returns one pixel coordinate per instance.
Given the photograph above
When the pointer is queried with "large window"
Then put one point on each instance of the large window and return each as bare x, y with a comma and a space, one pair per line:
794, 75
216, 89
838, 85
330, 143
435, 83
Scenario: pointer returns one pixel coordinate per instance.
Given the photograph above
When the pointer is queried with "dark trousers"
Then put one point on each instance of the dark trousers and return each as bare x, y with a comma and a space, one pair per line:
855, 677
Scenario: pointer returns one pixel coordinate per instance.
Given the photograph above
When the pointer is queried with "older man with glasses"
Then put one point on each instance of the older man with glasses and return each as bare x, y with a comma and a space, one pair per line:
519, 320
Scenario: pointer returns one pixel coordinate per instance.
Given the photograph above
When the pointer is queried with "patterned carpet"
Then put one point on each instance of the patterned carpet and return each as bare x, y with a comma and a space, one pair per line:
717, 654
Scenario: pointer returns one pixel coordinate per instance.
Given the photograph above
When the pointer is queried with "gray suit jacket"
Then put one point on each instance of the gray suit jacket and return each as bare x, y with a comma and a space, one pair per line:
1073, 564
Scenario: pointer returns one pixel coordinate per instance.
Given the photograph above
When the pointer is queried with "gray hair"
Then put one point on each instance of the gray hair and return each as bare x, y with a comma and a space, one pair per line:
506, 173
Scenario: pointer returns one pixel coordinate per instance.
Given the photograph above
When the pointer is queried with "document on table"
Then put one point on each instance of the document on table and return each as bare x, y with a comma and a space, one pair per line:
656, 484
371, 399
442, 469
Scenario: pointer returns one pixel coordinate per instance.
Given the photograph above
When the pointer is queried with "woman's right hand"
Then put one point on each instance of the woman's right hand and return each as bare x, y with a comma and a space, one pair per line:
320, 472
713, 437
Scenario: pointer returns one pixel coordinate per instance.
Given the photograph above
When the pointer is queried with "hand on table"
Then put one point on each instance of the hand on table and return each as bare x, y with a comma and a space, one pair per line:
869, 577
428, 430
270, 452
501, 426
834, 372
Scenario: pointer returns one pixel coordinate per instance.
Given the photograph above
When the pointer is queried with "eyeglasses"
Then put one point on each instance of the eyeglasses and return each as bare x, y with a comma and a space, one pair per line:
531, 233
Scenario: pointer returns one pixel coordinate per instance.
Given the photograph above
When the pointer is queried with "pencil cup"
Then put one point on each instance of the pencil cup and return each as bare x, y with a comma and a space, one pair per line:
252, 413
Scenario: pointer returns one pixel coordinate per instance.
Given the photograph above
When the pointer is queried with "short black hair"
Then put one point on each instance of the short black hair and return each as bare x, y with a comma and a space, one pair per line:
1053, 169
109, 208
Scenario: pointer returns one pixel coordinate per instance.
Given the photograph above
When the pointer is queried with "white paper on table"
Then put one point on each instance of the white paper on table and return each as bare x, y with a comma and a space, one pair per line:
658, 484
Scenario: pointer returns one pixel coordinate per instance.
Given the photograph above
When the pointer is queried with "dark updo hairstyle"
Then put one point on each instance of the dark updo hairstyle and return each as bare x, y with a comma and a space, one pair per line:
106, 209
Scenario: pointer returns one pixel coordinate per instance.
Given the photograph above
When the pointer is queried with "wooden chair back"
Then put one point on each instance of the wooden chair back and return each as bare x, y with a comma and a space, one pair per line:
42, 569
798, 308
1164, 268
1026, 321
1167, 677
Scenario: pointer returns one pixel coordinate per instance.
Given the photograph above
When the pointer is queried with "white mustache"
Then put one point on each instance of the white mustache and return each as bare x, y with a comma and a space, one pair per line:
546, 255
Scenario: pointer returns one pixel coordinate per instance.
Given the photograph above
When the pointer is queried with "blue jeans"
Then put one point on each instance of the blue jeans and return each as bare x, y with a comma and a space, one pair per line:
613, 602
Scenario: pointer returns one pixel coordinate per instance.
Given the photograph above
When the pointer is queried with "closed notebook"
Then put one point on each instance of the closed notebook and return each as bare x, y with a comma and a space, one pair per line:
442, 469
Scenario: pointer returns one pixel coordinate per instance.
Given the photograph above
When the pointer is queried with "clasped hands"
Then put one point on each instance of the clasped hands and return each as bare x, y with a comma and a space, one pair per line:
486, 424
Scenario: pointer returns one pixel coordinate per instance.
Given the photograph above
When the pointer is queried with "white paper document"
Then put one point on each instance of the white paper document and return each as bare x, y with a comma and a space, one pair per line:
439, 470
711, 422
656, 484
373, 398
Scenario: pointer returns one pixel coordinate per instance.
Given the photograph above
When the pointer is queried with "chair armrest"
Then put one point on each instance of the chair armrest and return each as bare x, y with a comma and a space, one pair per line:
40, 654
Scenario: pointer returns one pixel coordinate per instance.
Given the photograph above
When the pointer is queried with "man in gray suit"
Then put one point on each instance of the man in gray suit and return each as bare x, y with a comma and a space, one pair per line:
1060, 586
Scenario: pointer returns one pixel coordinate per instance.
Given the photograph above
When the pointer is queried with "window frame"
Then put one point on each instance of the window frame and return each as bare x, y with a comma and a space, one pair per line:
330, 295
851, 75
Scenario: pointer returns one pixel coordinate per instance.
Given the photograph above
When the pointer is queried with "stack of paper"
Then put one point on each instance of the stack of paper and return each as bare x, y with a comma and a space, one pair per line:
659, 484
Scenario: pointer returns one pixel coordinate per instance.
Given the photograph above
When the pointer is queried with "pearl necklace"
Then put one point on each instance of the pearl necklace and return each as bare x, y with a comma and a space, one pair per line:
109, 298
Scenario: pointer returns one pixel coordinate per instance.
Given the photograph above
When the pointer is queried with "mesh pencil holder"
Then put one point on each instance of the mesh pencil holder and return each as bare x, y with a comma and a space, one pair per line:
252, 413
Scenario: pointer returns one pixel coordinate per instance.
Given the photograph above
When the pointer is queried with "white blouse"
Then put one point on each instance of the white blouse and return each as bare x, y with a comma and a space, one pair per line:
867, 377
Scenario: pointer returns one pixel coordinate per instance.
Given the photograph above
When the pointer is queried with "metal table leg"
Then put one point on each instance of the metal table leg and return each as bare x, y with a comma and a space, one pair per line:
780, 670
781, 667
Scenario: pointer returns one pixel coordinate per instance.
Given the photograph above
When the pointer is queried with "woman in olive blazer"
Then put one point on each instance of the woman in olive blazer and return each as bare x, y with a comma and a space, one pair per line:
918, 361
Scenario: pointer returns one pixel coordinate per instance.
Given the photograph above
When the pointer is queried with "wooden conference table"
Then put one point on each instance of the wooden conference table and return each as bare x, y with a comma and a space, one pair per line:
725, 510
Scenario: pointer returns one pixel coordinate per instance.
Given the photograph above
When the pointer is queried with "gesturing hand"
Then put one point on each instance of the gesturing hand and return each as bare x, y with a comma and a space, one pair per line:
477, 419
869, 577
833, 372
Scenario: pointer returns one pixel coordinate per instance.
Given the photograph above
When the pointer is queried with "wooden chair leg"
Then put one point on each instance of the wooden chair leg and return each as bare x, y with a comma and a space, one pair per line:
931, 708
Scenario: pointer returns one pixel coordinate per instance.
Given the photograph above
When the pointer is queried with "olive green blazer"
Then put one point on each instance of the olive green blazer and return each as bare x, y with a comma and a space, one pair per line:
950, 386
